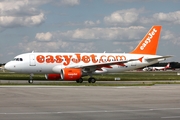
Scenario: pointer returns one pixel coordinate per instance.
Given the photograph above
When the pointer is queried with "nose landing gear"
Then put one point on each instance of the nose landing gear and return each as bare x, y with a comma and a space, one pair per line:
31, 78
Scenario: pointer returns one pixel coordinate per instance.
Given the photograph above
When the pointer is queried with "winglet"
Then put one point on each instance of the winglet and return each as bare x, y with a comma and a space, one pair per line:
149, 43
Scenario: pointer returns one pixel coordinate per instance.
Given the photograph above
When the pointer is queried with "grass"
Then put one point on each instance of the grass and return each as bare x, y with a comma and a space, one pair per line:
155, 77
17, 76
140, 76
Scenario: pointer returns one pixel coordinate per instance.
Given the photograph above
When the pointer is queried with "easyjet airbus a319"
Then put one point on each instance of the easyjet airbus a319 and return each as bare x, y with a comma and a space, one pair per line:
74, 66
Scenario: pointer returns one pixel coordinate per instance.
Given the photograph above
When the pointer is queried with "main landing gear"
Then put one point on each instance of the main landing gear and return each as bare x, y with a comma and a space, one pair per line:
80, 80
90, 80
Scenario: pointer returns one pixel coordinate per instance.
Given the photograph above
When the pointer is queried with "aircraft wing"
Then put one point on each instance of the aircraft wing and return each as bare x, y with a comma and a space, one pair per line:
104, 64
96, 66
99, 64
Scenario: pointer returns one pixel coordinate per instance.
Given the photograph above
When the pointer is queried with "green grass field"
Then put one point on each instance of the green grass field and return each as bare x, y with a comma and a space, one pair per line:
125, 76
140, 76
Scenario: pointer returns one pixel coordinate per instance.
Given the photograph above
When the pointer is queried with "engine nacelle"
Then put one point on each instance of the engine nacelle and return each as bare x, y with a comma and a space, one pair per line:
71, 74
53, 76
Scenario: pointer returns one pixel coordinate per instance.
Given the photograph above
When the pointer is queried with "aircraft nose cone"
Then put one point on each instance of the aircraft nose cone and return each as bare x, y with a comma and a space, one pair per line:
8, 66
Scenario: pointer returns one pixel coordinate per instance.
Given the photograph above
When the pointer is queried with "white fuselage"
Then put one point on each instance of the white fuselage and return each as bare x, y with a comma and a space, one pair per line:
53, 62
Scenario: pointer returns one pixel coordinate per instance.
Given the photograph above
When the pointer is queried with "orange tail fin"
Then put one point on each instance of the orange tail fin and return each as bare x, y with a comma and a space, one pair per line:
149, 43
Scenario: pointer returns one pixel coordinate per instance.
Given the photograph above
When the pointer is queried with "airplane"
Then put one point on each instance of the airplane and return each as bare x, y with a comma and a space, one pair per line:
74, 66
156, 68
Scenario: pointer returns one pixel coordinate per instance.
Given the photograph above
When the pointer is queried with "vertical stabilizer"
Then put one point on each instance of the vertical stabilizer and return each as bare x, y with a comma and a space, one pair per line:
167, 66
149, 43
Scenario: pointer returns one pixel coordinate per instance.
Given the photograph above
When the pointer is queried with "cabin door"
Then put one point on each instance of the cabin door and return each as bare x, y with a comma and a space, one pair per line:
32, 60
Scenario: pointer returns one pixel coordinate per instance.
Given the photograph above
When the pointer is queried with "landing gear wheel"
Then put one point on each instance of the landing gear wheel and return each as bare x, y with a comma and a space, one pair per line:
91, 80
30, 81
80, 80
31, 78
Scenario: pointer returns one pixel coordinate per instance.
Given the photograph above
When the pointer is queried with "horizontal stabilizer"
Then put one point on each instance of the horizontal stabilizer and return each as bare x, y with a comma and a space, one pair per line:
156, 58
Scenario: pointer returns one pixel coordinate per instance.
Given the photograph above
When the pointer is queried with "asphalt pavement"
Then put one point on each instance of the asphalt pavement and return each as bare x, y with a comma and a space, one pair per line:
90, 102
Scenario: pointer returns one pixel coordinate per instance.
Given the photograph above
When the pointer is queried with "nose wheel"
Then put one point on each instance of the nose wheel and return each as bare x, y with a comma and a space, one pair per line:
92, 80
30, 78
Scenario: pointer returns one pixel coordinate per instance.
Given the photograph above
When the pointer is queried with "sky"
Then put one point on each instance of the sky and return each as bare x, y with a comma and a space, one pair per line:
86, 26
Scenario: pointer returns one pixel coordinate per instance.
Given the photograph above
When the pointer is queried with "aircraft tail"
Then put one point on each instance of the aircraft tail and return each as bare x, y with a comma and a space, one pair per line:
167, 66
149, 43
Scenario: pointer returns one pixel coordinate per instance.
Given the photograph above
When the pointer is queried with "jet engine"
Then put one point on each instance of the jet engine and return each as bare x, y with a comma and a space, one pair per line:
71, 74
53, 76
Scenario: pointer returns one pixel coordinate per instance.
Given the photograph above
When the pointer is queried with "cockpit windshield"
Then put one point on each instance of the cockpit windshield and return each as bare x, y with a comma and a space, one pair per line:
17, 59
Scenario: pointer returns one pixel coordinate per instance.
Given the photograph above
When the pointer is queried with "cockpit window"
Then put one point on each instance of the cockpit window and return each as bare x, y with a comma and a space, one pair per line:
18, 59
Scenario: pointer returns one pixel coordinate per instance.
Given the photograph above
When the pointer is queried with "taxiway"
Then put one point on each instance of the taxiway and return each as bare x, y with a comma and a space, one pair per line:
90, 103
